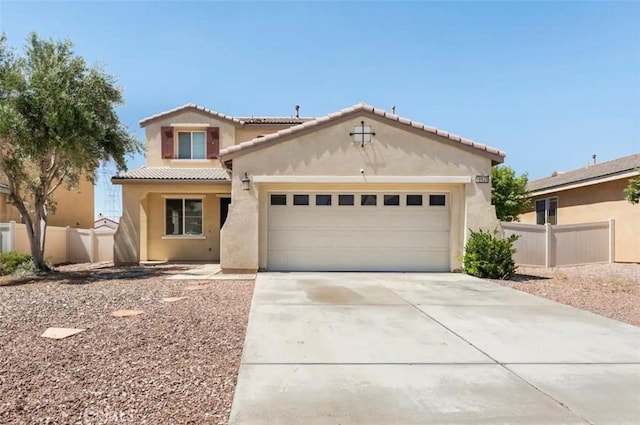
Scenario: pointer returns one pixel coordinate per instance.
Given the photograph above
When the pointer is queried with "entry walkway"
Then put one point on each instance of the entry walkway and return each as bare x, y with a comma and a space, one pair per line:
209, 272
365, 348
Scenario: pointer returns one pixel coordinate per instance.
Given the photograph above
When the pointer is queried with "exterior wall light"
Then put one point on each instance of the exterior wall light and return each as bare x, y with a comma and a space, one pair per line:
245, 181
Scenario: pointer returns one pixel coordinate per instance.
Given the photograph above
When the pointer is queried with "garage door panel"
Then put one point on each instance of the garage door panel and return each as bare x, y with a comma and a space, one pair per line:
371, 260
341, 238
354, 238
331, 220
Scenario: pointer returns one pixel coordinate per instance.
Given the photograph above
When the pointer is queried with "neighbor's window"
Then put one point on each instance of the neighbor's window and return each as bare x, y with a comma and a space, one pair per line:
183, 217
192, 145
547, 211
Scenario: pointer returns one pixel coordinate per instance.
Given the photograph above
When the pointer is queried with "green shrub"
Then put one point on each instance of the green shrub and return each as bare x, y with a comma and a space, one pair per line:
10, 261
488, 256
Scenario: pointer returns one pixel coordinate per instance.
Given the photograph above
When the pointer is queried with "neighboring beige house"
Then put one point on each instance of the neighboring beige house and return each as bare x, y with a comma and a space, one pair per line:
358, 189
74, 207
590, 194
103, 223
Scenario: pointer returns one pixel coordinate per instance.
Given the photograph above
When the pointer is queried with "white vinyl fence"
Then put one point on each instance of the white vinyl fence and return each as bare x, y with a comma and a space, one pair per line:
563, 245
63, 244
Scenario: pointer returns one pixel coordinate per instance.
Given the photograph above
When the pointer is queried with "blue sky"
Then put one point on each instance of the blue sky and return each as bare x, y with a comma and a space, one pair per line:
551, 83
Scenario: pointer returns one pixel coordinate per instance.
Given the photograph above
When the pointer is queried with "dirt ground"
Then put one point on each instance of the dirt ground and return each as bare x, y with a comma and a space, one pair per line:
611, 290
176, 363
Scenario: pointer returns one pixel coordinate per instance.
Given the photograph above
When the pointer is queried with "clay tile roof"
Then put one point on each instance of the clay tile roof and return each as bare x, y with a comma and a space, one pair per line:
495, 154
190, 106
167, 173
592, 172
274, 120
233, 120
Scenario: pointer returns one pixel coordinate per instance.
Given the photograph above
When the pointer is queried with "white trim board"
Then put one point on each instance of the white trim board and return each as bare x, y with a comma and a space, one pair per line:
361, 179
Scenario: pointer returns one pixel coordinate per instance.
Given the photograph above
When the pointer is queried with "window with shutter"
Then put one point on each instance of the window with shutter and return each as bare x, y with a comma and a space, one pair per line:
167, 142
213, 142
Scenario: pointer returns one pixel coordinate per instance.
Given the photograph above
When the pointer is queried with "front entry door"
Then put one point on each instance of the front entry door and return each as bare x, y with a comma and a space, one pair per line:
224, 210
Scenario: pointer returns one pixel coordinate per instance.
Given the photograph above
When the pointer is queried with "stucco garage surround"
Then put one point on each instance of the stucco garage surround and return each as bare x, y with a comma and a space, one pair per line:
400, 160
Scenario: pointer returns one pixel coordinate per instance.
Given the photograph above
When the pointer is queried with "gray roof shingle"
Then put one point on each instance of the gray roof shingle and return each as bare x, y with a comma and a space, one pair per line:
167, 173
585, 174
232, 151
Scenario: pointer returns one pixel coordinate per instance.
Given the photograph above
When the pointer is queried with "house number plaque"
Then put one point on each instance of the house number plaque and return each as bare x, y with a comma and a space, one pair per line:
482, 179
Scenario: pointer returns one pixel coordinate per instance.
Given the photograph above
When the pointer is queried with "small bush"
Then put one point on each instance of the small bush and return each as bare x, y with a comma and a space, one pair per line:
488, 256
10, 261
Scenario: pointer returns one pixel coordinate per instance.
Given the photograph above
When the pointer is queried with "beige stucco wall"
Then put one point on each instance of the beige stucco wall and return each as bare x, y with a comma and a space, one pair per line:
140, 232
600, 202
159, 248
153, 148
330, 151
74, 207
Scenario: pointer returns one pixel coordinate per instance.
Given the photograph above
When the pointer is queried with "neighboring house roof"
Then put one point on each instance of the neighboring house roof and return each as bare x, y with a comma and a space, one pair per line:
104, 221
4, 188
609, 170
167, 173
259, 142
232, 120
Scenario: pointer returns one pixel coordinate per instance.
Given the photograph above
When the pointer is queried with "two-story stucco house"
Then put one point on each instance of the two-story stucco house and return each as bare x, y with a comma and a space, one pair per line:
358, 189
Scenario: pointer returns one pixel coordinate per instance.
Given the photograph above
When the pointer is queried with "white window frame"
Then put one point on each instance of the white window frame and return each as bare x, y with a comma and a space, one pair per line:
547, 203
178, 131
183, 199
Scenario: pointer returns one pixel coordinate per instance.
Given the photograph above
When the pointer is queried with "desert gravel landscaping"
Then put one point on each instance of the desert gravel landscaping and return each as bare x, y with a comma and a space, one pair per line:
175, 363
611, 290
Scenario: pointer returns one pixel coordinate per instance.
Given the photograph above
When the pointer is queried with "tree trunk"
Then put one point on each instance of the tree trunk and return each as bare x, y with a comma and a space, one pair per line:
36, 240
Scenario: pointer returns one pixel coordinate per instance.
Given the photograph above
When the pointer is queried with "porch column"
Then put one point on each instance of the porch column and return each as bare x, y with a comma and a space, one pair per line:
143, 227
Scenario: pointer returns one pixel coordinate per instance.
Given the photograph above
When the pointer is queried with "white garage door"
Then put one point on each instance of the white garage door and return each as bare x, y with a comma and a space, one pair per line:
354, 231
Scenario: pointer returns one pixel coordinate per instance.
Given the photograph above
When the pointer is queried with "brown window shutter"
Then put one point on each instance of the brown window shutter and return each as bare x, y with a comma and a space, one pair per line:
167, 142
213, 142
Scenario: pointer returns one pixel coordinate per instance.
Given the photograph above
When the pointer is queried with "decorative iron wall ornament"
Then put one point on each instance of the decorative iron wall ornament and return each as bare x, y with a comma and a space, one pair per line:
362, 134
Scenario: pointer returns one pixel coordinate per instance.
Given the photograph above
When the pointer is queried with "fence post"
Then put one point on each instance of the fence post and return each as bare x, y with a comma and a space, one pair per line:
67, 233
93, 245
612, 240
547, 245
12, 236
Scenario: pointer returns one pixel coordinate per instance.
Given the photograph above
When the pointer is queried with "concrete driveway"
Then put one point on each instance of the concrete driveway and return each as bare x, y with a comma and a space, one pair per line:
395, 348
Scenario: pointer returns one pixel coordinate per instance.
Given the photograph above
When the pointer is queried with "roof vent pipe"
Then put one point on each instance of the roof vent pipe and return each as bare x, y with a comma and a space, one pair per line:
594, 158
297, 111
393, 109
